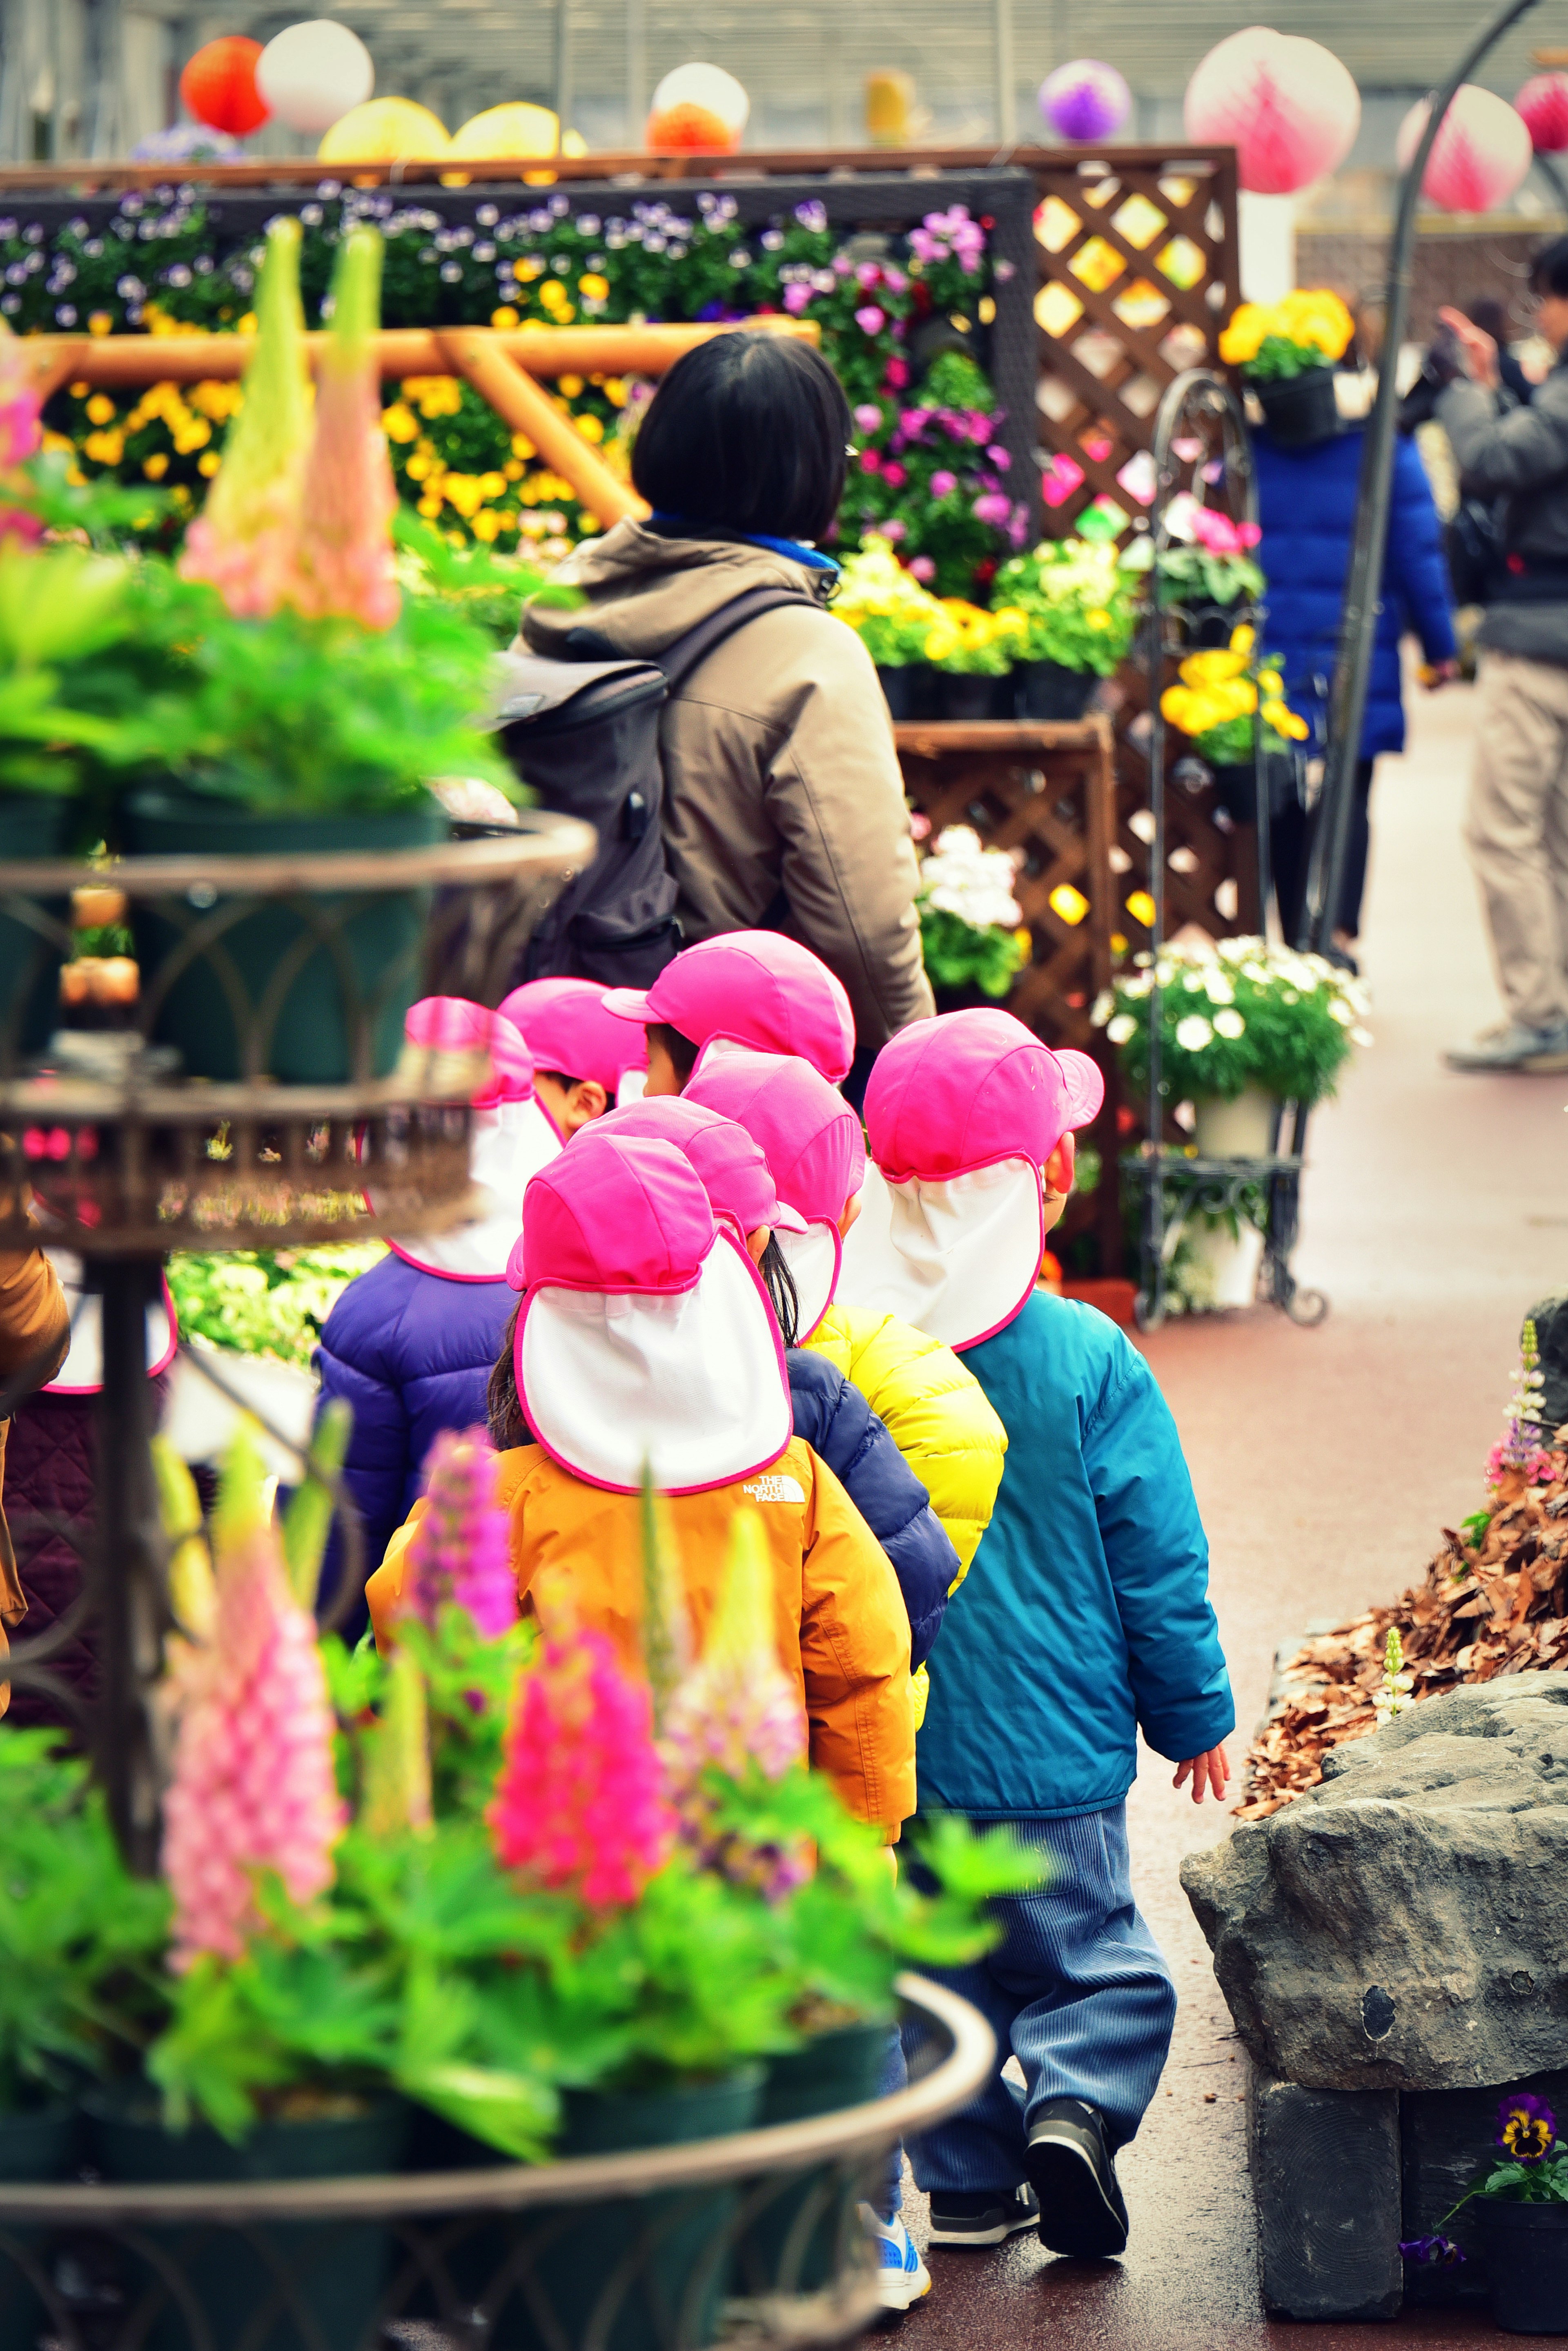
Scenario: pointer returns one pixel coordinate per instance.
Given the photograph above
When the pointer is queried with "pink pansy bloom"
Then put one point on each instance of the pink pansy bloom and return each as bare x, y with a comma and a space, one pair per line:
894, 477
943, 483
869, 320
894, 280
867, 418
922, 568
579, 1801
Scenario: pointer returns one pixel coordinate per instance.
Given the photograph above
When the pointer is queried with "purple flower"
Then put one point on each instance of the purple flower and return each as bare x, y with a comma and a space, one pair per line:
796, 298
867, 417
993, 508
1526, 2127
1440, 2251
943, 483
869, 320
812, 215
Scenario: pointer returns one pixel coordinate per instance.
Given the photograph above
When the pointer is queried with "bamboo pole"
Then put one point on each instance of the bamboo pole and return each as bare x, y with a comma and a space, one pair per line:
109, 361
474, 354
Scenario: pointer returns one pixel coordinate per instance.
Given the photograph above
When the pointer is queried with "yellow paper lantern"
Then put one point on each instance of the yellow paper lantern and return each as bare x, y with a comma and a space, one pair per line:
385, 131
513, 134
890, 109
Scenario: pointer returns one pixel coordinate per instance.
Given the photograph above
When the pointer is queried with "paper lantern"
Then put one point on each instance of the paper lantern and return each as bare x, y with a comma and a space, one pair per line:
509, 133
890, 108
688, 130
1287, 106
1480, 155
385, 131
312, 74
694, 91
1084, 99
219, 86
1543, 107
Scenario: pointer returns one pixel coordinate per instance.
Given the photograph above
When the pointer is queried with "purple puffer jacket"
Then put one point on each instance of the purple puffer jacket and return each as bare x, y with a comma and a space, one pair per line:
411, 1352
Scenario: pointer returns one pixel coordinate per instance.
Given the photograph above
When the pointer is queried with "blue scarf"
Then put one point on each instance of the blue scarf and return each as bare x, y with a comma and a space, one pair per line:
795, 550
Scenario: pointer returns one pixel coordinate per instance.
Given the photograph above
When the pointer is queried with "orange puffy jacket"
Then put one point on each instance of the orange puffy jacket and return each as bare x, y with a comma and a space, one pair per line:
843, 1633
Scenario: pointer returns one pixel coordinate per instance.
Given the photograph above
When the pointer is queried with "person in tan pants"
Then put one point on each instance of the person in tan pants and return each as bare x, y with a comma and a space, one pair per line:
34, 1332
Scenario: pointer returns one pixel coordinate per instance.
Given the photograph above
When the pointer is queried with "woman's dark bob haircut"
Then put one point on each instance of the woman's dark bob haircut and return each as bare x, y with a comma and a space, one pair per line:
747, 432
1548, 271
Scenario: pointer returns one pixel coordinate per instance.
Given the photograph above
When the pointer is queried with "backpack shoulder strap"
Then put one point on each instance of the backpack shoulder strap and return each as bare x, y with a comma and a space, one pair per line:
679, 660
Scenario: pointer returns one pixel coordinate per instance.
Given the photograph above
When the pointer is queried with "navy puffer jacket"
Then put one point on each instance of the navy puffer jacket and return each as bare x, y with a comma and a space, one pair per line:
841, 1428
411, 1352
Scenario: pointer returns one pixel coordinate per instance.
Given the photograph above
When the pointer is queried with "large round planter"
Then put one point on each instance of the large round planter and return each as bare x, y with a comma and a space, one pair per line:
1050, 693
1230, 1260
324, 2278
310, 992
32, 827
1241, 1128
575, 2258
1527, 2265
37, 2145
1300, 411
794, 2244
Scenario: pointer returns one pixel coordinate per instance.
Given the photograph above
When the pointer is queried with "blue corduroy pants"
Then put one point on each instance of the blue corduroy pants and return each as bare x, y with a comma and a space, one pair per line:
1077, 1990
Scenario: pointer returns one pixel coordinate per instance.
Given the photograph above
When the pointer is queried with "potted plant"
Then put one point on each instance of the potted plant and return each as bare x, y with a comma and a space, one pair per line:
1520, 2204
1230, 702
971, 648
893, 615
1243, 1026
1079, 612
1286, 352
971, 925
1207, 568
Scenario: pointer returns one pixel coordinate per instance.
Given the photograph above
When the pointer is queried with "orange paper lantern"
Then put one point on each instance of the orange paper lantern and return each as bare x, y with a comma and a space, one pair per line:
691, 130
219, 86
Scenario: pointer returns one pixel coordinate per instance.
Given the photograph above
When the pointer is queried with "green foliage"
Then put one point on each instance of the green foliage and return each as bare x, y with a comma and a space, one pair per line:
265, 1301
1197, 575
1280, 358
80, 1938
487, 588
957, 955
1077, 600
1255, 1015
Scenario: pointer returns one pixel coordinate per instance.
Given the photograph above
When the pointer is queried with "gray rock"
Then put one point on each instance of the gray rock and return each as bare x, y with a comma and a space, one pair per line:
1551, 1320
1406, 1925
1325, 2177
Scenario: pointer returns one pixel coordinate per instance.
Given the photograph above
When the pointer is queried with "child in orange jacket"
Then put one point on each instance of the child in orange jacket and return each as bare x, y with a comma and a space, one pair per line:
645, 1335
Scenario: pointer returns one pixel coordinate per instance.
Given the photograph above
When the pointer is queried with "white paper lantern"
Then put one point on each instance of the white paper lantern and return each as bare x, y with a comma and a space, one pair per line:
1287, 105
312, 75
1481, 156
708, 86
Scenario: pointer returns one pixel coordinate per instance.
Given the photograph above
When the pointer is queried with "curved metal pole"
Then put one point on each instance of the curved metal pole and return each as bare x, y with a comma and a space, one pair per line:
1353, 667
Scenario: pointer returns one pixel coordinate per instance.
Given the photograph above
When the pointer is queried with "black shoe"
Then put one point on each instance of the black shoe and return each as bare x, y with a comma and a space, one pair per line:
1073, 2173
988, 2218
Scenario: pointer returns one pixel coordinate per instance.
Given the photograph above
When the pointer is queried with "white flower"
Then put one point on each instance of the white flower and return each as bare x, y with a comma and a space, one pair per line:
1230, 1024
1289, 996
1104, 1006
1218, 988
1193, 1033
1257, 973
1123, 1027
1342, 1013
1193, 981
1361, 1037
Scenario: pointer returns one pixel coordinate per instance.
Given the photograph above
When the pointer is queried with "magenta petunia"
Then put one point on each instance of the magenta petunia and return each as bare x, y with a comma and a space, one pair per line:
869, 320
943, 483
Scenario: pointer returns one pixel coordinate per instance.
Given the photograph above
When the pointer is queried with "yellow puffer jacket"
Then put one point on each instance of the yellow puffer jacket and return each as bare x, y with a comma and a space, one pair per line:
938, 1414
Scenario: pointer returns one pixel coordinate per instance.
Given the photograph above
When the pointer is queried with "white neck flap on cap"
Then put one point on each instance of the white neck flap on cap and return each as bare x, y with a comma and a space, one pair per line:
82, 1374
957, 1258
694, 1384
511, 1144
813, 1258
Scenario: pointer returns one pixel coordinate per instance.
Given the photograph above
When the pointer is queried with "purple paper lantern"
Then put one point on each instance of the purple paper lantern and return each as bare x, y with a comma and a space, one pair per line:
1084, 101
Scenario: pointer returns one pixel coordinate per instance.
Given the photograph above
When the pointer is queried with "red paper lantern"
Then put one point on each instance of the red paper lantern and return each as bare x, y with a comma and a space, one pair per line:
1288, 106
219, 86
1543, 105
688, 128
1480, 155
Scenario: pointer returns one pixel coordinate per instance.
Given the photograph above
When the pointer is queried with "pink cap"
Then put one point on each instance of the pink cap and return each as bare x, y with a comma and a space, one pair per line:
751, 988
731, 1163
618, 1213
810, 1136
972, 1089
570, 1031
451, 1024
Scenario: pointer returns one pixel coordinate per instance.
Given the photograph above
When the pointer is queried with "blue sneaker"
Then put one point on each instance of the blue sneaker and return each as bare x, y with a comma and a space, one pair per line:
904, 2276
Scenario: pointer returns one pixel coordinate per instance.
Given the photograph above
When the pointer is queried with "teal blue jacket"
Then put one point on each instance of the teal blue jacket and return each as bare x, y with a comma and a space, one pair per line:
1085, 1616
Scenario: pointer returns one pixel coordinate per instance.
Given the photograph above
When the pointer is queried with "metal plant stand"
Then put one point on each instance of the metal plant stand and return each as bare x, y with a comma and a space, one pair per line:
1200, 443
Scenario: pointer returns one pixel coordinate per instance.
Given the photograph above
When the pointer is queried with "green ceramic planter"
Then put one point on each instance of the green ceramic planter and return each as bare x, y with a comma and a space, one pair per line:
38, 2144
32, 828
794, 2244
310, 991
338, 2270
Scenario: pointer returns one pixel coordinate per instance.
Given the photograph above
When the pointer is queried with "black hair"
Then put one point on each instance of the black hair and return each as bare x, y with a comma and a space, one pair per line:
780, 1284
747, 432
681, 1050
1548, 269
502, 1407
1488, 313
559, 1078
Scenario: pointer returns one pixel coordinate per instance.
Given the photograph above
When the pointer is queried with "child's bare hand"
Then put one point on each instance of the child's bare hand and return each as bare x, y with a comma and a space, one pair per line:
1208, 1772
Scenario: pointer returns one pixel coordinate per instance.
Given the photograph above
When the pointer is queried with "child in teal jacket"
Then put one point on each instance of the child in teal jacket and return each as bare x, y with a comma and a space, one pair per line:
1084, 1617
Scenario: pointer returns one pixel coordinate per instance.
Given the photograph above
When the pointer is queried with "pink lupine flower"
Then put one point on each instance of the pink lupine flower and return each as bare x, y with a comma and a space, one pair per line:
345, 559
244, 539
736, 1709
579, 1801
460, 1549
869, 320
253, 1786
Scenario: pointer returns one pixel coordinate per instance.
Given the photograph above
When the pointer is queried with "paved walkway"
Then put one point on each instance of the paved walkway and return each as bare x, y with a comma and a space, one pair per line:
1435, 1212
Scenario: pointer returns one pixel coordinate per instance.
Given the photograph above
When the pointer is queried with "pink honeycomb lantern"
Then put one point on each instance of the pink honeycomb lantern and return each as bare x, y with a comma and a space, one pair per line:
1084, 99
1287, 106
1480, 155
1542, 107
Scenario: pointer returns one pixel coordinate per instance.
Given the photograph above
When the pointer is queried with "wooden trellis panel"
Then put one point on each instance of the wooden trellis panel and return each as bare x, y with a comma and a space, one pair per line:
1049, 791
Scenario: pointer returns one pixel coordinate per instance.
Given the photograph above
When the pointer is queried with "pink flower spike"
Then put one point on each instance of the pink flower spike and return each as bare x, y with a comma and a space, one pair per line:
461, 1550
349, 498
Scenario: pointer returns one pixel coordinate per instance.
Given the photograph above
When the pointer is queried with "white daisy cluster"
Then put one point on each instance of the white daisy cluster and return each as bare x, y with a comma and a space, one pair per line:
962, 877
1210, 974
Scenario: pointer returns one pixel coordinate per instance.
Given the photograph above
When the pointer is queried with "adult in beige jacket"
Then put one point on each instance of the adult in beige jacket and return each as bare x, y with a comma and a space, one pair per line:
784, 801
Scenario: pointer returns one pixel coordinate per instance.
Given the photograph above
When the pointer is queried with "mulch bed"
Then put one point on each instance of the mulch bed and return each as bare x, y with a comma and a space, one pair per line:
1497, 1604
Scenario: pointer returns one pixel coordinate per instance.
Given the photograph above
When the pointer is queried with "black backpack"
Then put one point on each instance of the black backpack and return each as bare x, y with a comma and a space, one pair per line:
582, 732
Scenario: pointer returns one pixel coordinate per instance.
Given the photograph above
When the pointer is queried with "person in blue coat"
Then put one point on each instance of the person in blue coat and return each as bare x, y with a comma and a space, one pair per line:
410, 1344
1084, 1619
1307, 500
